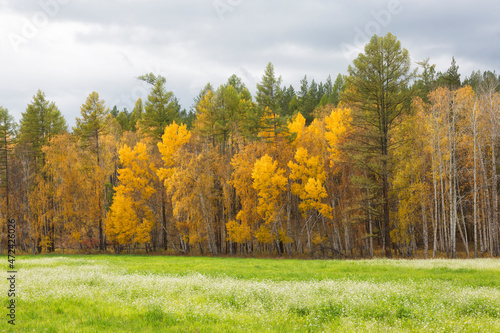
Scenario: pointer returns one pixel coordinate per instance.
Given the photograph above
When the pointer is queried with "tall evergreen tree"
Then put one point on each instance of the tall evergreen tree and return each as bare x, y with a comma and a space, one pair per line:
237, 83
161, 108
427, 80
6, 137
89, 129
309, 100
41, 121
338, 87
123, 120
220, 114
93, 123
268, 101
39, 124
451, 78
115, 112
269, 91
378, 91
286, 97
328, 86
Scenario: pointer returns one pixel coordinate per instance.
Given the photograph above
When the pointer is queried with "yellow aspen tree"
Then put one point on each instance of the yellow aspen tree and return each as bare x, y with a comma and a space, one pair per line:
71, 186
41, 231
173, 139
448, 111
344, 198
238, 233
190, 188
241, 178
131, 219
410, 183
72, 176
296, 129
464, 105
309, 176
436, 123
269, 181
338, 126
490, 102
317, 145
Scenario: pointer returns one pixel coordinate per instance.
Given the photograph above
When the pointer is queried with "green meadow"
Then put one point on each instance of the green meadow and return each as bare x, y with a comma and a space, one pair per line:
120, 293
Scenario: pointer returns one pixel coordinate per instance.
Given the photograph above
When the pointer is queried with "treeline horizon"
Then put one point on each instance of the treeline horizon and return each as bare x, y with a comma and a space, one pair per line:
387, 160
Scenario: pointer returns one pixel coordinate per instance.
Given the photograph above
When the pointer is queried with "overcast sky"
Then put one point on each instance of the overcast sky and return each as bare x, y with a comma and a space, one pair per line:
69, 48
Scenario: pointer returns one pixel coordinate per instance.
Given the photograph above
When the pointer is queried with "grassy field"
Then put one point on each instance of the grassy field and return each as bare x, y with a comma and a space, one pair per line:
106, 293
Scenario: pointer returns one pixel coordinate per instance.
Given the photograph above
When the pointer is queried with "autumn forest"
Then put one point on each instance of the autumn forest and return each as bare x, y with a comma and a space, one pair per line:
393, 159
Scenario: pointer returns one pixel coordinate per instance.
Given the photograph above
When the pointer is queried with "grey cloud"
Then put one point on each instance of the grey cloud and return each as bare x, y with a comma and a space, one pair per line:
109, 43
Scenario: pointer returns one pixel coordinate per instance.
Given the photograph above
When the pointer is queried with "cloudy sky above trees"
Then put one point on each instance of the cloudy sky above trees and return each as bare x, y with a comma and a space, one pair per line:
69, 48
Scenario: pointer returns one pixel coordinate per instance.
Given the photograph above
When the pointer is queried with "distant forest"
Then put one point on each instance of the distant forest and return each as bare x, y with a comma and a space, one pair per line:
389, 160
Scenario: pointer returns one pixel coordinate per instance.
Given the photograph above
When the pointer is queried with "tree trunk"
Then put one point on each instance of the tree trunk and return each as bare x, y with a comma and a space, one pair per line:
494, 193
163, 219
475, 181
424, 226
370, 226
385, 198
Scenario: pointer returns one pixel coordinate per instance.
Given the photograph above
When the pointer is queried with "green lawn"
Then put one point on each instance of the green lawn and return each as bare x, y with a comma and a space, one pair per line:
106, 293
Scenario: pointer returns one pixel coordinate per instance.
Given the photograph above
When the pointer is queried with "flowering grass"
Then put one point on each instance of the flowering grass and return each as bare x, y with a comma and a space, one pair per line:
190, 294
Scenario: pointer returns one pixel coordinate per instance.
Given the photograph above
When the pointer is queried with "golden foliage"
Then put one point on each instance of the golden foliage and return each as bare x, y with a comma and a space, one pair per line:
338, 126
241, 178
310, 176
238, 233
131, 219
297, 127
175, 136
269, 182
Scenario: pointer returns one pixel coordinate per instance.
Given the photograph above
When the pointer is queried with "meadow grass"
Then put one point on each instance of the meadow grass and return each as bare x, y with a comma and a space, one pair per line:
106, 293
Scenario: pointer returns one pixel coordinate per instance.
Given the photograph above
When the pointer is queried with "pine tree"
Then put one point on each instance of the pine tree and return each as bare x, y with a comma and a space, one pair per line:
89, 129
161, 108
41, 121
338, 88
123, 120
220, 115
451, 78
6, 137
93, 123
379, 93
268, 101
427, 80
286, 98
307, 99
114, 112
237, 84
